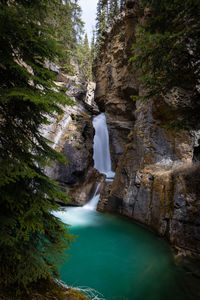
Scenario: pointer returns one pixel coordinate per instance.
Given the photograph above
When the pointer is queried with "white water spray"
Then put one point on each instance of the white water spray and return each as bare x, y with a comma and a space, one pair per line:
81, 216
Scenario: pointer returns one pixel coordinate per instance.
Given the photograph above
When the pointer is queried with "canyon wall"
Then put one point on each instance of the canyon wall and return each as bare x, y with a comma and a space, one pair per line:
72, 134
157, 170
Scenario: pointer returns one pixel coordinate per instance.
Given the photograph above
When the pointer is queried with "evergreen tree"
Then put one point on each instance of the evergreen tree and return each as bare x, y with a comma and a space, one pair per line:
32, 240
113, 10
168, 46
60, 17
93, 47
85, 59
101, 21
77, 23
101, 17
107, 10
67, 26
122, 5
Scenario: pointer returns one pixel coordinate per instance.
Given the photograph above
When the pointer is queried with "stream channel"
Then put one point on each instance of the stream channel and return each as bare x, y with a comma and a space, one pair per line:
111, 254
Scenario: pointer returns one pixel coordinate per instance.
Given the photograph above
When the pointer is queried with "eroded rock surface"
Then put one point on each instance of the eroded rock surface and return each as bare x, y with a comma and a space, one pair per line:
72, 134
157, 173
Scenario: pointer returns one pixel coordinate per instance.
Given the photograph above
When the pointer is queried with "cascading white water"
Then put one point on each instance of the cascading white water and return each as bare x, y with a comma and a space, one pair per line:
92, 204
102, 161
81, 216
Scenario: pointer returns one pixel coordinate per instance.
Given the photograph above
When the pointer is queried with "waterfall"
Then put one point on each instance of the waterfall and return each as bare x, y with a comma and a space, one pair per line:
92, 204
102, 161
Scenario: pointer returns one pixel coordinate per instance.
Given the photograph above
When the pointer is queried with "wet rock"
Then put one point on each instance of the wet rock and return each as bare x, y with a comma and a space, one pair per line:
81, 193
104, 194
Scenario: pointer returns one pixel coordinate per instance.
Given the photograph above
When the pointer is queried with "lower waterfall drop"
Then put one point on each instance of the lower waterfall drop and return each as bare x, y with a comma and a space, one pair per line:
92, 204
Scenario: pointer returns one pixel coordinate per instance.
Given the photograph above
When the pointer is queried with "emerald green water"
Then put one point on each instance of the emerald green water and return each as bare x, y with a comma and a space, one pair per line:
119, 259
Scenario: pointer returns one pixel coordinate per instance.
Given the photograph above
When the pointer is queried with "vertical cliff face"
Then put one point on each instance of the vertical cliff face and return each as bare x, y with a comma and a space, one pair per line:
115, 83
72, 134
156, 180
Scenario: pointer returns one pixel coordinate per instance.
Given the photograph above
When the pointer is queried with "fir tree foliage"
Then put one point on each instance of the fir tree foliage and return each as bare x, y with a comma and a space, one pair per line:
77, 22
85, 59
32, 239
101, 19
66, 23
114, 9
107, 10
122, 5
167, 48
93, 47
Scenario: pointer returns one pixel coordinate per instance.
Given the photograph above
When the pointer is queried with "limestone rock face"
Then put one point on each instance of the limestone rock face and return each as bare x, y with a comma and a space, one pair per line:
78, 150
156, 181
72, 134
89, 99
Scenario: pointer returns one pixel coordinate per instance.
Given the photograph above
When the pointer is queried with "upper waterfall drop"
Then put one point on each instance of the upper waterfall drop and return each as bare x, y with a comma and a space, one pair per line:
102, 160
